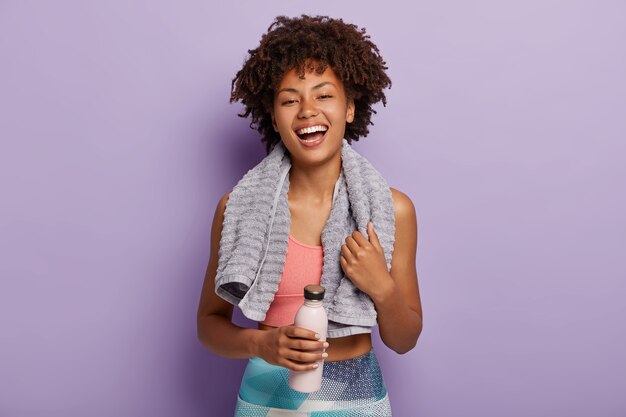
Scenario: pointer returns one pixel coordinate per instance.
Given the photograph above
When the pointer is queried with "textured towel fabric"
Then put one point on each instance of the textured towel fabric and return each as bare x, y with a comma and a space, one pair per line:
256, 229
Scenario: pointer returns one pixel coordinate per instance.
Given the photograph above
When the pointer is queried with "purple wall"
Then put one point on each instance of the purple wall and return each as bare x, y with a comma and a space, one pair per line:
505, 125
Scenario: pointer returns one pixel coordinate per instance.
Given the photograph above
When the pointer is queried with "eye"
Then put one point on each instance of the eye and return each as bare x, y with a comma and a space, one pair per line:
326, 96
287, 102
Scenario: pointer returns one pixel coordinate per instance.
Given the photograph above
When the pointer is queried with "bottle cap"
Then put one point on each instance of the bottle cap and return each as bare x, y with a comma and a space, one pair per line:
314, 292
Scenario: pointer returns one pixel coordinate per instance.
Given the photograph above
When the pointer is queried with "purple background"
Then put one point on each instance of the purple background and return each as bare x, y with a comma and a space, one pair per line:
505, 125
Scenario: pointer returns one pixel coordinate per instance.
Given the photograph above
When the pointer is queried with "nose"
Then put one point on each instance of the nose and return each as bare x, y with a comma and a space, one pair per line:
307, 108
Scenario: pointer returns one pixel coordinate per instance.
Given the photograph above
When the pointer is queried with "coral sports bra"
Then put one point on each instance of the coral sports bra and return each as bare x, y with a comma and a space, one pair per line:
303, 266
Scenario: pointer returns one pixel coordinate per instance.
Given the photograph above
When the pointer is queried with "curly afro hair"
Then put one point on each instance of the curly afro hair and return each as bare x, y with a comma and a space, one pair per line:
314, 42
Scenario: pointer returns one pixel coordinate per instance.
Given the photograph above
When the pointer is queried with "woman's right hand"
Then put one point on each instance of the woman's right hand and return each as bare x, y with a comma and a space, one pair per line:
294, 348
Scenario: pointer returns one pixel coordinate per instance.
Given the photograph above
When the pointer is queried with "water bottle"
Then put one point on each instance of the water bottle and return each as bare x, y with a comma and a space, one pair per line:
311, 315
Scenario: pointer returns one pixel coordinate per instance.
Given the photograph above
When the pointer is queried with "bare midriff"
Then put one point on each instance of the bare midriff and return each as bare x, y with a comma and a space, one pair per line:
341, 348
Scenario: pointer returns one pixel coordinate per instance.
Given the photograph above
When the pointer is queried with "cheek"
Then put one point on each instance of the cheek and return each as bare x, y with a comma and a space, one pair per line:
337, 113
284, 125
283, 118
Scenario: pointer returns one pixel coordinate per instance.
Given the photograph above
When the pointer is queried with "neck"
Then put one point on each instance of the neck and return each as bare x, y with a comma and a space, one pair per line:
314, 184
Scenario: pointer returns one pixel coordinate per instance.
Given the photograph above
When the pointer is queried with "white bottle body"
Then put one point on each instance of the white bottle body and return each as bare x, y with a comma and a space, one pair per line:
311, 315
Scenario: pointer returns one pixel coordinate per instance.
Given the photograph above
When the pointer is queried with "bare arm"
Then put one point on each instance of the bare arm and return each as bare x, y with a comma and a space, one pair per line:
216, 331
398, 304
287, 346
395, 293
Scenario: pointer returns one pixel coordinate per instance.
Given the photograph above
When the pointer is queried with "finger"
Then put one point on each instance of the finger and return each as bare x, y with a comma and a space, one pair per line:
359, 238
301, 333
345, 266
305, 345
373, 235
305, 357
297, 366
352, 245
345, 252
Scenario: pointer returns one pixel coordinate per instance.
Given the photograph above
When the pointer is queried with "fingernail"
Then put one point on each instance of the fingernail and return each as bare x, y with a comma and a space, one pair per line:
317, 336
326, 344
324, 355
315, 365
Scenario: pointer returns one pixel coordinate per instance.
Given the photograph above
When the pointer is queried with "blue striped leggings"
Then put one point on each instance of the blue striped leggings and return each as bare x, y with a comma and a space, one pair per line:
350, 388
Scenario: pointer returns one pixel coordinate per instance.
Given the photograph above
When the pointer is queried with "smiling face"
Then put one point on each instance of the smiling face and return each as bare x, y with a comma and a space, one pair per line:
311, 113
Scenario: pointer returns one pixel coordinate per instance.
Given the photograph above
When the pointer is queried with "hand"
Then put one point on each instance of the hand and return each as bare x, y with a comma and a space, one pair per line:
364, 261
292, 347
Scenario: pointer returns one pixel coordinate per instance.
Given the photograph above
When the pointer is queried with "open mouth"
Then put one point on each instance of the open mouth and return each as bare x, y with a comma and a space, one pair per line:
312, 134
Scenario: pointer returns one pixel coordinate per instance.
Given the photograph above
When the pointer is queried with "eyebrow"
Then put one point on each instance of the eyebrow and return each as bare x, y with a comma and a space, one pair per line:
295, 90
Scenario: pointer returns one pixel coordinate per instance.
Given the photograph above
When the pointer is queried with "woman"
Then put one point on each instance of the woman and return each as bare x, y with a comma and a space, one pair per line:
310, 87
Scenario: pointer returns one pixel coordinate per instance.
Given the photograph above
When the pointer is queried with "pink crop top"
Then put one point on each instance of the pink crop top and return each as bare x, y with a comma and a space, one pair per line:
303, 266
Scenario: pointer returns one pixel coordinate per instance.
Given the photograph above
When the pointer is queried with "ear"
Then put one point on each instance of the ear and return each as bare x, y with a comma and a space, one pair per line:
274, 121
350, 111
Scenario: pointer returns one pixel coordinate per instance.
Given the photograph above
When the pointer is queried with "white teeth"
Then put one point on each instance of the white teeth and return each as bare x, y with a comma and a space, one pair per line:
312, 129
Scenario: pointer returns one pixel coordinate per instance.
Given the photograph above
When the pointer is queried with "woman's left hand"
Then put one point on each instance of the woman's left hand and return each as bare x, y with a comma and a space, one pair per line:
364, 261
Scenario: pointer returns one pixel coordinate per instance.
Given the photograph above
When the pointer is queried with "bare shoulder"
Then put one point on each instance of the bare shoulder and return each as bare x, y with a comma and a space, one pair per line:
403, 262
221, 205
210, 303
404, 210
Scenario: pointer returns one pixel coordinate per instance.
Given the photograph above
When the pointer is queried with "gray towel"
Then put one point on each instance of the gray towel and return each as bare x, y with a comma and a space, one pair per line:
256, 230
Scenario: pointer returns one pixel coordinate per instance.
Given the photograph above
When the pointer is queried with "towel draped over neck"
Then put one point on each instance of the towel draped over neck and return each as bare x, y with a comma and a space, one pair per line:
256, 229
